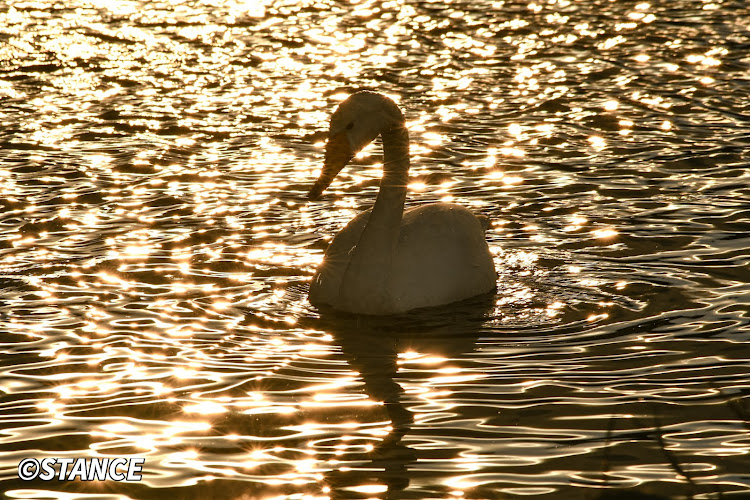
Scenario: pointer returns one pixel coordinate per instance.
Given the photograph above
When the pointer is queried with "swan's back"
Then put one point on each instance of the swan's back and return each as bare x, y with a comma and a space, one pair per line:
441, 257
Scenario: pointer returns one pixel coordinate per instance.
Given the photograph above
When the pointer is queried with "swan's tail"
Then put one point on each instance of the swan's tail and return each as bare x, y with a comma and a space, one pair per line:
484, 221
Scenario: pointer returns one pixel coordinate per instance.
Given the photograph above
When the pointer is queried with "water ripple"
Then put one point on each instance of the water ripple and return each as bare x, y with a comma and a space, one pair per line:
156, 249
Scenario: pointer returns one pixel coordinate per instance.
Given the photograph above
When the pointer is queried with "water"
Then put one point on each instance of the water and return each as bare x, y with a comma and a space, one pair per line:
156, 248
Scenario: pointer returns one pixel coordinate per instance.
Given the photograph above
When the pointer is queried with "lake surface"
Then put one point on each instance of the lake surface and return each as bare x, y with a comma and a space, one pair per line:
156, 249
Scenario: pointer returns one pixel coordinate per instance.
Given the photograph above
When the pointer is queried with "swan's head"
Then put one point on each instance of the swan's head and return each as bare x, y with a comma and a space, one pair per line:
357, 121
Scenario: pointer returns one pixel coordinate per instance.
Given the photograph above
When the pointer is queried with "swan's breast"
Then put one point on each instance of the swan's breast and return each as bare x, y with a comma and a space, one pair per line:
324, 288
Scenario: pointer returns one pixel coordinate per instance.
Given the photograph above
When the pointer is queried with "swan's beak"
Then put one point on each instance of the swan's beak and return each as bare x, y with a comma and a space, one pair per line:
338, 154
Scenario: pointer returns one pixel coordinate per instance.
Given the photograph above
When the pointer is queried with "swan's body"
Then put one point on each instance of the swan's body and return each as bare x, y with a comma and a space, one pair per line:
387, 260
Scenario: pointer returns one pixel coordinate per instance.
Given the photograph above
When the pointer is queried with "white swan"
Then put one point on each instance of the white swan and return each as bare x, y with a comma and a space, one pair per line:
387, 261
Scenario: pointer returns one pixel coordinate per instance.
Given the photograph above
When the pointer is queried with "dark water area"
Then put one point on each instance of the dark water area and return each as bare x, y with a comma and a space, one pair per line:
156, 249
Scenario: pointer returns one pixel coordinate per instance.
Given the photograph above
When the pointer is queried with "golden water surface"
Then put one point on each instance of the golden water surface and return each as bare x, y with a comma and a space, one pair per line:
156, 248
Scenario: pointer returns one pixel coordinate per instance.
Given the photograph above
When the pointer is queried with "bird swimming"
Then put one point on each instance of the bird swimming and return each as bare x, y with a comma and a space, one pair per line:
387, 260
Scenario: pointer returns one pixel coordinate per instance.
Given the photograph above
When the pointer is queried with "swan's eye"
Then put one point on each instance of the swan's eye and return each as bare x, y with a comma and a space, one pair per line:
350, 126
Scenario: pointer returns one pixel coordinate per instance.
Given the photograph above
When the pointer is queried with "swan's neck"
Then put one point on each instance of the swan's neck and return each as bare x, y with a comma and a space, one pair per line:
369, 270
389, 205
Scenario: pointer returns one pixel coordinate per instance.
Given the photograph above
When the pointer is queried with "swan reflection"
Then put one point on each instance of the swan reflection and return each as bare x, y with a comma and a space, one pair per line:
376, 347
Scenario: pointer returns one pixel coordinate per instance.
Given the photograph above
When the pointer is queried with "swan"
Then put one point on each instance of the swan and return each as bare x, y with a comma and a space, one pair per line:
387, 260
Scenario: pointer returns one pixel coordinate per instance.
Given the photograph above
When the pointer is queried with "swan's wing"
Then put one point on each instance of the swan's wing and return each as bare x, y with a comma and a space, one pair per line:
442, 256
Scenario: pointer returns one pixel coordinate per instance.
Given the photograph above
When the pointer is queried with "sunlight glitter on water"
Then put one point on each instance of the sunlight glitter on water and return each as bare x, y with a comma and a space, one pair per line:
156, 248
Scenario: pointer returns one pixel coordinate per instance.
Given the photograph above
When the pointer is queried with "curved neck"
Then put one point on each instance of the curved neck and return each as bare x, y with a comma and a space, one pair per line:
392, 195
395, 161
369, 270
